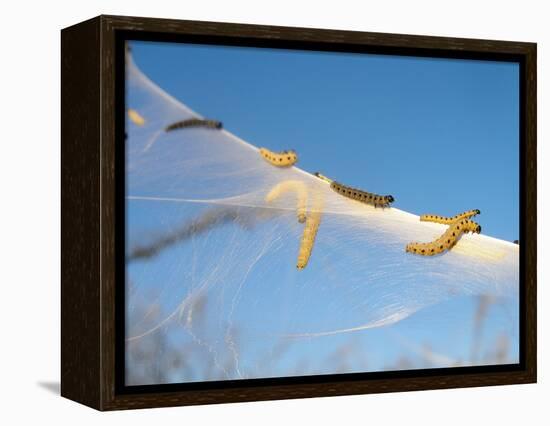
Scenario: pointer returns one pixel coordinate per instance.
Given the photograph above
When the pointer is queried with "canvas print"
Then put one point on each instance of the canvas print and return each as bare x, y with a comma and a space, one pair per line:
297, 213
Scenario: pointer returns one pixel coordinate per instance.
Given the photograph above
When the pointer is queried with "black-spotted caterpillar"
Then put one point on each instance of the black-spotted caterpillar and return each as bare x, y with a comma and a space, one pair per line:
310, 233
194, 122
450, 237
301, 195
279, 159
357, 194
448, 220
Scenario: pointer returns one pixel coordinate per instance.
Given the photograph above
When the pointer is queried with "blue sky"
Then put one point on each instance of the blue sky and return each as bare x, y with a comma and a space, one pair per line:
440, 135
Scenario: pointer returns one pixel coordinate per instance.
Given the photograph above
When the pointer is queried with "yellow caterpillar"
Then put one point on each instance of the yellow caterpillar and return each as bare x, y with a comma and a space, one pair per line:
135, 117
279, 159
449, 238
310, 232
448, 220
194, 122
358, 195
301, 194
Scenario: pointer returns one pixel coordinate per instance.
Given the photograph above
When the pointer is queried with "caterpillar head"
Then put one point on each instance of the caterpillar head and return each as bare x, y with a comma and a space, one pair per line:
218, 124
390, 199
478, 229
477, 211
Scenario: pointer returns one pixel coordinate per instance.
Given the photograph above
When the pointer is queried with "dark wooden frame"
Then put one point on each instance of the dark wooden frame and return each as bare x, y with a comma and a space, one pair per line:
91, 189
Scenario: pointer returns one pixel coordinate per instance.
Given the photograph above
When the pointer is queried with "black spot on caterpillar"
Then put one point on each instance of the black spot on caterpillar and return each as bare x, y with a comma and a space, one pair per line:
279, 159
448, 220
310, 233
301, 194
449, 238
194, 122
357, 194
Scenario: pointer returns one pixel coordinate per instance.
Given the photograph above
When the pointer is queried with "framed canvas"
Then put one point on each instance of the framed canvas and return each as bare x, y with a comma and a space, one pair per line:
255, 212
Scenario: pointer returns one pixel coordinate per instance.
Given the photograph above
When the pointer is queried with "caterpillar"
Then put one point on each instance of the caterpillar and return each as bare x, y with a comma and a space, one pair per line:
358, 195
194, 122
320, 176
135, 117
279, 159
211, 218
449, 238
448, 220
301, 195
310, 233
